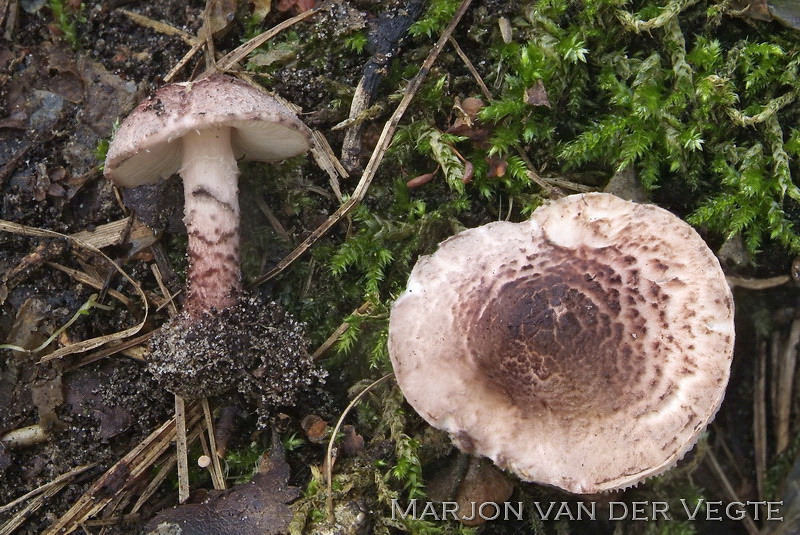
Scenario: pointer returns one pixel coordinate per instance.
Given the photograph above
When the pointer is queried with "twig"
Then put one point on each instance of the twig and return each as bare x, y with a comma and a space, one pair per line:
471, 68
386, 34
126, 470
85, 345
112, 350
233, 57
63, 477
532, 174
183, 453
216, 473
760, 416
377, 155
329, 453
165, 470
751, 527
757, 284
184, 60
84, 278
19, 518
168, 297
160, 27
340, 330
786, 368
9, 9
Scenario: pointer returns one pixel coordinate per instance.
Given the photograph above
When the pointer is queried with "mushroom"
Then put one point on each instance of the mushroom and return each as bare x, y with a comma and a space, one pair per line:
202, 129
586, 348
221, 337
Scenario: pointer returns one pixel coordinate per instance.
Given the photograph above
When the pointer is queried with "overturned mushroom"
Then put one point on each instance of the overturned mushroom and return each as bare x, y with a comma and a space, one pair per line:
585, 348
202, 129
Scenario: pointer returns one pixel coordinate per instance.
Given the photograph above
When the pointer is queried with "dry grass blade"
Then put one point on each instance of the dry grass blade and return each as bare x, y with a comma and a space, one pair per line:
216, 472
751, 527
786, 368
18, 519
88, 280
340, 330
760, 417
136, 462
85, 345
160, 27
374, 163
183, 449
63, 478
229, 60
329, 452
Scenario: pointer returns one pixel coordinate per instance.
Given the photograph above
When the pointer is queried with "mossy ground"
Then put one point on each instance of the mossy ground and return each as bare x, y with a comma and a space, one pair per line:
694, 98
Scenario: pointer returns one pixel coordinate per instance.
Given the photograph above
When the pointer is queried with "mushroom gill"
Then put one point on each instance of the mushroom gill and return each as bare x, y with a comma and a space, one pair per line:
585, 348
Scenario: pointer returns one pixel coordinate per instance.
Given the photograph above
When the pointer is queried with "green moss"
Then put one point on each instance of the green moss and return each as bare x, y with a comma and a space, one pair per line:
702, 105
66, 18
437, 15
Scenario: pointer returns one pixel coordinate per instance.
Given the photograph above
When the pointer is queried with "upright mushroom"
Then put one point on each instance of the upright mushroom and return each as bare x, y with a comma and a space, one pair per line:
585, 348
202, 129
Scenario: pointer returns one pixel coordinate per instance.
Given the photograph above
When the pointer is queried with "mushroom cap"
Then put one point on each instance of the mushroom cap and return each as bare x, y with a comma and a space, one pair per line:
147, 145
586, 348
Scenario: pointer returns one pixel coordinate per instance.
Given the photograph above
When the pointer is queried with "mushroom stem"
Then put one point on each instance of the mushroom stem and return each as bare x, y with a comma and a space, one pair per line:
211, 214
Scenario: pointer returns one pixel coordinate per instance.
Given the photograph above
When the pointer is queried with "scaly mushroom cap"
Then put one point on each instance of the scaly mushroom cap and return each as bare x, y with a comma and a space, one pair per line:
585, 348
147, 145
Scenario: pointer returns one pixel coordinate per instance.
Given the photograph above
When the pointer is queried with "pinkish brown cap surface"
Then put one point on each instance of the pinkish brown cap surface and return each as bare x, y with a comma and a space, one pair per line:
586, 348
147, 145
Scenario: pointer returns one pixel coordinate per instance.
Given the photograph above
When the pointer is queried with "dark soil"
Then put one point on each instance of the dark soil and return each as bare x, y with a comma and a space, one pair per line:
59, 102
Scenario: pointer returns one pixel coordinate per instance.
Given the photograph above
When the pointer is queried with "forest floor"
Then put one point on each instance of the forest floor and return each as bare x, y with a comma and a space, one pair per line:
573, 94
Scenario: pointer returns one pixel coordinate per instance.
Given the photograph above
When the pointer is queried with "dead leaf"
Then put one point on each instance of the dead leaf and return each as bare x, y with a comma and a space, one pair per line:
418, 181
482, 483
315, 428
536, 95
261, 9
352, 443
255, 508
296, 6
218, 17
48, 395
787, 12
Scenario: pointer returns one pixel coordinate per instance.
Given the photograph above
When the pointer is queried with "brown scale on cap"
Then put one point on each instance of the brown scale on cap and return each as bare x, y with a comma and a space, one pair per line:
585, 348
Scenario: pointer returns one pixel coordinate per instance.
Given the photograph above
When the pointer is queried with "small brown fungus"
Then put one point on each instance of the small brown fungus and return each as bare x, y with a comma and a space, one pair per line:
558, 347
202, 129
